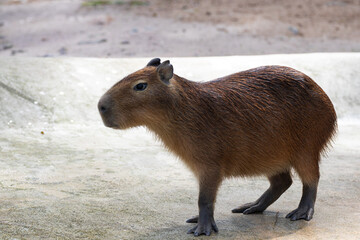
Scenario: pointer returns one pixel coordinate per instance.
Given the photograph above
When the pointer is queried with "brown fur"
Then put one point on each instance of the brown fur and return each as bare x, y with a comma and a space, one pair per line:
256, 122
262, 121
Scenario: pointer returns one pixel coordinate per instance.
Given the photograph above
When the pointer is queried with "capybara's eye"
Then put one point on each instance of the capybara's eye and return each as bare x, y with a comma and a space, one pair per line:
140, 86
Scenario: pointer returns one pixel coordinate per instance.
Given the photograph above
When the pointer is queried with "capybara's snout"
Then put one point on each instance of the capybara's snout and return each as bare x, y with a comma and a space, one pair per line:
104, 104
105, 110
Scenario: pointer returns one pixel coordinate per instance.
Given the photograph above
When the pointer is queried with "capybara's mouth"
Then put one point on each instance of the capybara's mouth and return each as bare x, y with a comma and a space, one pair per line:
108, 123
111, 125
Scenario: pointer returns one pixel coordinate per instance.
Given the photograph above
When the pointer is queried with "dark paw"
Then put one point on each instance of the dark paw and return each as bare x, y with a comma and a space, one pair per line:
305, 213
205, 229
193, 219
249, 208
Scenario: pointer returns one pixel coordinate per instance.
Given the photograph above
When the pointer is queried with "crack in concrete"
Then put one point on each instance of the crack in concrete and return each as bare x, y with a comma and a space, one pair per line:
276, 219
20, 94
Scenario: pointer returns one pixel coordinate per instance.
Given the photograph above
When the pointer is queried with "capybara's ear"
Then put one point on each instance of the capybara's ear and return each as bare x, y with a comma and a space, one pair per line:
154, 62
165, 71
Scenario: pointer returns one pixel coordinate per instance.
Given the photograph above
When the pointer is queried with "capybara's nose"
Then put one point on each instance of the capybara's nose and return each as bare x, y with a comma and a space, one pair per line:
102, 108
104, 105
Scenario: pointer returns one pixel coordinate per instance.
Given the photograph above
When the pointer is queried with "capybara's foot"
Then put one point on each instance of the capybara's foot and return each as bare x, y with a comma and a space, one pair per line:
305, 213
278, 185
204, 228
306, 207
253, 207
193, 219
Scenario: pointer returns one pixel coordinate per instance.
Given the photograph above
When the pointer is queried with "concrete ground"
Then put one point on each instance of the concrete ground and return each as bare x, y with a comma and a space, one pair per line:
144, 28
63, 175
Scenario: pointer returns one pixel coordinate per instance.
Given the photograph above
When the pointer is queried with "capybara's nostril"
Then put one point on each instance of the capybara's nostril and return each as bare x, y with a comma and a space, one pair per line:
102, 108
104, 105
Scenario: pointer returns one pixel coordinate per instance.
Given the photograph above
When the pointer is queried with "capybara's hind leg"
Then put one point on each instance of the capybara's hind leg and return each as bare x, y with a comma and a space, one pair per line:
306, 207
309, 174
278, 185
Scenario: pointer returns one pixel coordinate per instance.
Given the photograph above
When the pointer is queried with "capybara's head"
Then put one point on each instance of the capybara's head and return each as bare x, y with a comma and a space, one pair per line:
139, 98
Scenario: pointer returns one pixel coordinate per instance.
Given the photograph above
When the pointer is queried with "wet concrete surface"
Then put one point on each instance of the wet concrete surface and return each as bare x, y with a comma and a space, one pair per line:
63, 175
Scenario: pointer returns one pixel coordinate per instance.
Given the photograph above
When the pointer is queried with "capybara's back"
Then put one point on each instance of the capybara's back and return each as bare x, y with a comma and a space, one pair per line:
263, 121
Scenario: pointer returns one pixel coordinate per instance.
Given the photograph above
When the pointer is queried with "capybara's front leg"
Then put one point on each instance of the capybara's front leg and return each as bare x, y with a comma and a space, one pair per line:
209, 184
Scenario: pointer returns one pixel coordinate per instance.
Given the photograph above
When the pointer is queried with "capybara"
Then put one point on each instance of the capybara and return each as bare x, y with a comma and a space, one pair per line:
263, 121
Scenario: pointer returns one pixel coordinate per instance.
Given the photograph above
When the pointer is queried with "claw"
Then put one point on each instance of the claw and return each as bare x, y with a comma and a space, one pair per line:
252, 209
214, 227
249, 208
244, 207
305, 213
205, 229
193, 219
294, 218
191, 230
291, 213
